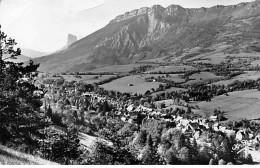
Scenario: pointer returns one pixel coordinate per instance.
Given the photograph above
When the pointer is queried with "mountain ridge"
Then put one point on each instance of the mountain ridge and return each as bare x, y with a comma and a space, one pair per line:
157, 32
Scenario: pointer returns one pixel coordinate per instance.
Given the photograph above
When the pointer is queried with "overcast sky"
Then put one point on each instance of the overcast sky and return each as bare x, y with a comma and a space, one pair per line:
43, 25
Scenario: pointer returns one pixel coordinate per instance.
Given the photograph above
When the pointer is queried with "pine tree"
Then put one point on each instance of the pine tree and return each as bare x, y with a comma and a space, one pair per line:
21, 120
149, 141
150, 156
194, 152
65, 148
49, 112
180, 142
171, 156
226, 151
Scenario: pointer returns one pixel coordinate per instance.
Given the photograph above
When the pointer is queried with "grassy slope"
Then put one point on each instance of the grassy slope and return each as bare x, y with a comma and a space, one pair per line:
172, 68
12, 157
249, 75
239, 104
202, 77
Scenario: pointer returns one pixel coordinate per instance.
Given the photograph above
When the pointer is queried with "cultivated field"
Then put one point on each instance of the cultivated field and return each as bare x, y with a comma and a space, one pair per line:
156, 60
138, 81
255, 63
253, 75
172, 77
202, 77
239, 104
118, 68
172, 68
90, 79
169, 91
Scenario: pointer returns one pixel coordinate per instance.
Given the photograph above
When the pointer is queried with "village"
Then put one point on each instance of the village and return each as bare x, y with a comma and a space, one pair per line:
133, 110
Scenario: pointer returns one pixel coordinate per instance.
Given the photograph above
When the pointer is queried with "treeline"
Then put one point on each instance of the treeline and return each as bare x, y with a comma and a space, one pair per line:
88, 73
104, 81
141, 69
204, 92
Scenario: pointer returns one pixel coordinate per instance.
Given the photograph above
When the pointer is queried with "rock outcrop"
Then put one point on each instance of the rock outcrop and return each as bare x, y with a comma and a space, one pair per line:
71, 39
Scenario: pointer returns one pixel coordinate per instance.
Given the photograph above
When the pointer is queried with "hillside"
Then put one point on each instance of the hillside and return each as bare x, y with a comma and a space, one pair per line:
20, 58
32, 53
172, 32
11, 157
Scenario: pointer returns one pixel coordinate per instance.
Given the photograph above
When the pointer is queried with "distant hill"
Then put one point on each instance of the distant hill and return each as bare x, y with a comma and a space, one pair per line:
32, 53
172, 32
20, 58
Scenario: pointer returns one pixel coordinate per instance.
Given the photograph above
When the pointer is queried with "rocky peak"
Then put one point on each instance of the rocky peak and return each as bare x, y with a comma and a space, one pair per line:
156, 8
71, 39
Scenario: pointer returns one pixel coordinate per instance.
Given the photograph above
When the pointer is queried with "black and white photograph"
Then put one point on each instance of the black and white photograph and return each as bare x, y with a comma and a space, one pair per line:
129, 82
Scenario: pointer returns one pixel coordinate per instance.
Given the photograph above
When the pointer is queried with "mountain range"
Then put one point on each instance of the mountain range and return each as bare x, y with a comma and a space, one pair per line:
155, 32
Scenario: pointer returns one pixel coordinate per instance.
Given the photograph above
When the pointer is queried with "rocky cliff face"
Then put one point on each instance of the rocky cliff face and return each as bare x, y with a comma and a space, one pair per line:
157, 31
71, 39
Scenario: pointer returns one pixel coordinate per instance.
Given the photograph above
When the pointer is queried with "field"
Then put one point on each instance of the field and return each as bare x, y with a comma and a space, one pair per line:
239, 104
169, 90
12, 157
172, 68
217, 56
172, 77
255, 63
138, 81
253, 75
170, 104
202, 77
90, 79
118, 68
156, 60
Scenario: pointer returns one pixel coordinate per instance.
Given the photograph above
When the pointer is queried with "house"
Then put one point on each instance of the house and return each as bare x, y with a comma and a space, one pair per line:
216, 127
123, 119
184, 122
213, 118
131, 121
242, 135
222, 129
130, 108
197, 133
190, 128
257, 138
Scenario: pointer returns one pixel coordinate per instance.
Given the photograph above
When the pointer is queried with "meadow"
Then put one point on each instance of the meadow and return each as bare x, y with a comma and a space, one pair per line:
255, 63
239, 104
173, 89
172, 68
89, 79
202, 77
118, 68
138, 82
248, 75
